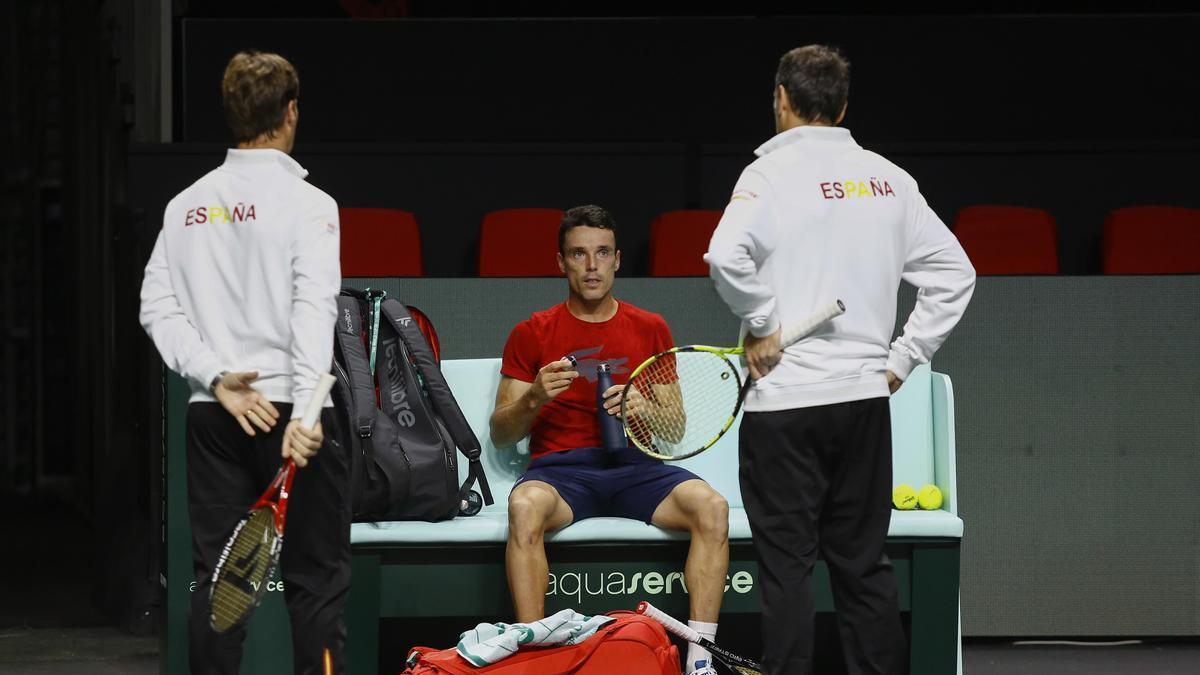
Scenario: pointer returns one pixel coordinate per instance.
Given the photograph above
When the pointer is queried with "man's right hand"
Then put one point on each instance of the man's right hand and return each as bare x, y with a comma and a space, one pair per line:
301, 444
552, 380
234, 393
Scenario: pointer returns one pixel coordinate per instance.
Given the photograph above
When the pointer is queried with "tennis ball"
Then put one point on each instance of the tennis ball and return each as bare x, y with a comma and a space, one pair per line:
904, 497
930, 498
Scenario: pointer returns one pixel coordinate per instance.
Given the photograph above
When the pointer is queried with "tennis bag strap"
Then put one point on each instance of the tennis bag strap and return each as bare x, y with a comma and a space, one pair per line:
397, 315
357, 380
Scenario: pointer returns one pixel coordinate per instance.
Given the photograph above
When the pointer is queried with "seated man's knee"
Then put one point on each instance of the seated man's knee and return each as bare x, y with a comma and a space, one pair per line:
526, 518
712, 516
522, 509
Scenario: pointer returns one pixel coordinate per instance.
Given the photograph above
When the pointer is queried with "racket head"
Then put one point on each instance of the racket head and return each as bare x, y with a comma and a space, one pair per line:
246, 564
678, 403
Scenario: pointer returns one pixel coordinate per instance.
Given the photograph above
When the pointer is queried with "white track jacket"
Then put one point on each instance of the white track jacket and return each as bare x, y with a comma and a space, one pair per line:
817, 218
245, 276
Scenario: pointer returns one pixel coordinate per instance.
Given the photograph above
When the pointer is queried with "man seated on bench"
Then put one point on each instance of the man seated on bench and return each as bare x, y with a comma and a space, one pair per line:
572, 476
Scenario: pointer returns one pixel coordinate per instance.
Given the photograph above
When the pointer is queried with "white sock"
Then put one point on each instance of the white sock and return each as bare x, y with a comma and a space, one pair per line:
695, 652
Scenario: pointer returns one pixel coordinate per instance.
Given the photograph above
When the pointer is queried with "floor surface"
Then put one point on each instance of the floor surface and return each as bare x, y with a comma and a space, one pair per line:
49, 623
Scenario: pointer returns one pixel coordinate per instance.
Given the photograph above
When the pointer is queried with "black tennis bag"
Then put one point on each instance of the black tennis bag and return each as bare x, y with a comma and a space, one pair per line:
404, 425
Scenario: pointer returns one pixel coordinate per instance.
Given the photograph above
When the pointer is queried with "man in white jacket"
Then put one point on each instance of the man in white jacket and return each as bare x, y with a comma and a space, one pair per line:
815, 218
239, 298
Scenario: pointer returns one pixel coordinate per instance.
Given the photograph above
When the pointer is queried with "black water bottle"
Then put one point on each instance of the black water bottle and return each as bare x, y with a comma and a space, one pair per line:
611, 431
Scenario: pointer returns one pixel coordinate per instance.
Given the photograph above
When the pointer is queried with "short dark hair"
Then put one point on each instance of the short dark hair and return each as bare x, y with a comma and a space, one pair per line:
255, 93
588, 215
817, 81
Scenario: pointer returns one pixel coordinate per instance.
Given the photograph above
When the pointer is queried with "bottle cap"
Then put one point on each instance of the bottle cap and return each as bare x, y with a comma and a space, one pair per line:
603, 368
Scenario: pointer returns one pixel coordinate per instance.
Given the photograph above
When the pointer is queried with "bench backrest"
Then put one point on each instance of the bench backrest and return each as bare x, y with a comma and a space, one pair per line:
474, 383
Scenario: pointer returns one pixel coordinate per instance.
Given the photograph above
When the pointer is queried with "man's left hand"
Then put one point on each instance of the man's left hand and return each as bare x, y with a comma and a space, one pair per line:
614, 398
762, 354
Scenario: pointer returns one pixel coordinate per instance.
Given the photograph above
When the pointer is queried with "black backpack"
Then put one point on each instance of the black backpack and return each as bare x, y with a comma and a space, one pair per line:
403, 423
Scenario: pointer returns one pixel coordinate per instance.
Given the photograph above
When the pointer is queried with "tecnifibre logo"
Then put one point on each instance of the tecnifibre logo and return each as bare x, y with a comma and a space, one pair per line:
578, 584
397, 396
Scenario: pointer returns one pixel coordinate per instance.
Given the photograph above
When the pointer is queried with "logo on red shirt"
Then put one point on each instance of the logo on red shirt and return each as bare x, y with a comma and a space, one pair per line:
587, 367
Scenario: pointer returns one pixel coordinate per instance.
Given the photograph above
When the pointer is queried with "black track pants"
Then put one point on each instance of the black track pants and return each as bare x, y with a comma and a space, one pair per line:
227, 471
818, 481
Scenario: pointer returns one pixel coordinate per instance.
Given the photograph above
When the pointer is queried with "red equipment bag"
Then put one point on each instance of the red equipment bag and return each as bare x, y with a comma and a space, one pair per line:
631, 645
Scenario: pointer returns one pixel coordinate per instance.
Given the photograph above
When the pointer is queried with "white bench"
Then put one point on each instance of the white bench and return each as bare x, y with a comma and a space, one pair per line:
923, 440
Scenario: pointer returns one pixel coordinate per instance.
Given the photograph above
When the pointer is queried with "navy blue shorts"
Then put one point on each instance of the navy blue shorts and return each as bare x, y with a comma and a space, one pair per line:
596, 482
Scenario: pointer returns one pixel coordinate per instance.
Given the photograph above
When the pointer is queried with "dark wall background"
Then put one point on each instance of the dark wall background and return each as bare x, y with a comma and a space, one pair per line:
450, 119
915, 78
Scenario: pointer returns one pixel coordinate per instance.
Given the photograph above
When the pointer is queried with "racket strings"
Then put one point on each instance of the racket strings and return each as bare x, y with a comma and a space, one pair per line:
688, 398
243, 570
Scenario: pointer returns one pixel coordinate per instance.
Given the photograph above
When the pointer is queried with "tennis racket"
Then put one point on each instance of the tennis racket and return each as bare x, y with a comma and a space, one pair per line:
252, 552
731, 661
679, 402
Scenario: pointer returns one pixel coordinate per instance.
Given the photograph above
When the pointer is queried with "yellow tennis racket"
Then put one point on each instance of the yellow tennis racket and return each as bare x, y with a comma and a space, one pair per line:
678, 403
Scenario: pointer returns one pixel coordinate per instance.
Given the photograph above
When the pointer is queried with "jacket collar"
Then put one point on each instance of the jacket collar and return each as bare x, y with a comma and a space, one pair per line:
807, 134
261, 156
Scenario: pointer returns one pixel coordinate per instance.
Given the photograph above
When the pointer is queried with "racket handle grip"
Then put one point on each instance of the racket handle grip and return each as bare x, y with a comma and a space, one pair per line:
669, 622
799, 331
313, 412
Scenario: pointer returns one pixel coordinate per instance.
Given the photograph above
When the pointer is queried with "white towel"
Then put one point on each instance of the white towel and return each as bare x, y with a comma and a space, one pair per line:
488, 643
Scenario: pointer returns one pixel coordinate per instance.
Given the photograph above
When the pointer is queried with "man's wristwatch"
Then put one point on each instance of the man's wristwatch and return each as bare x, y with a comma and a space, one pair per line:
212, 386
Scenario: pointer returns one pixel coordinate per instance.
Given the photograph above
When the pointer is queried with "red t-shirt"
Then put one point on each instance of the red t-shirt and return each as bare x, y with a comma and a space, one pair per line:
630, 337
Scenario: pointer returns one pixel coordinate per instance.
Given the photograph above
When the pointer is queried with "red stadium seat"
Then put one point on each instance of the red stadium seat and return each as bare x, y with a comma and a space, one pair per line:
1152, 240
1008, 239
519, 243
380, 243
678, 241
